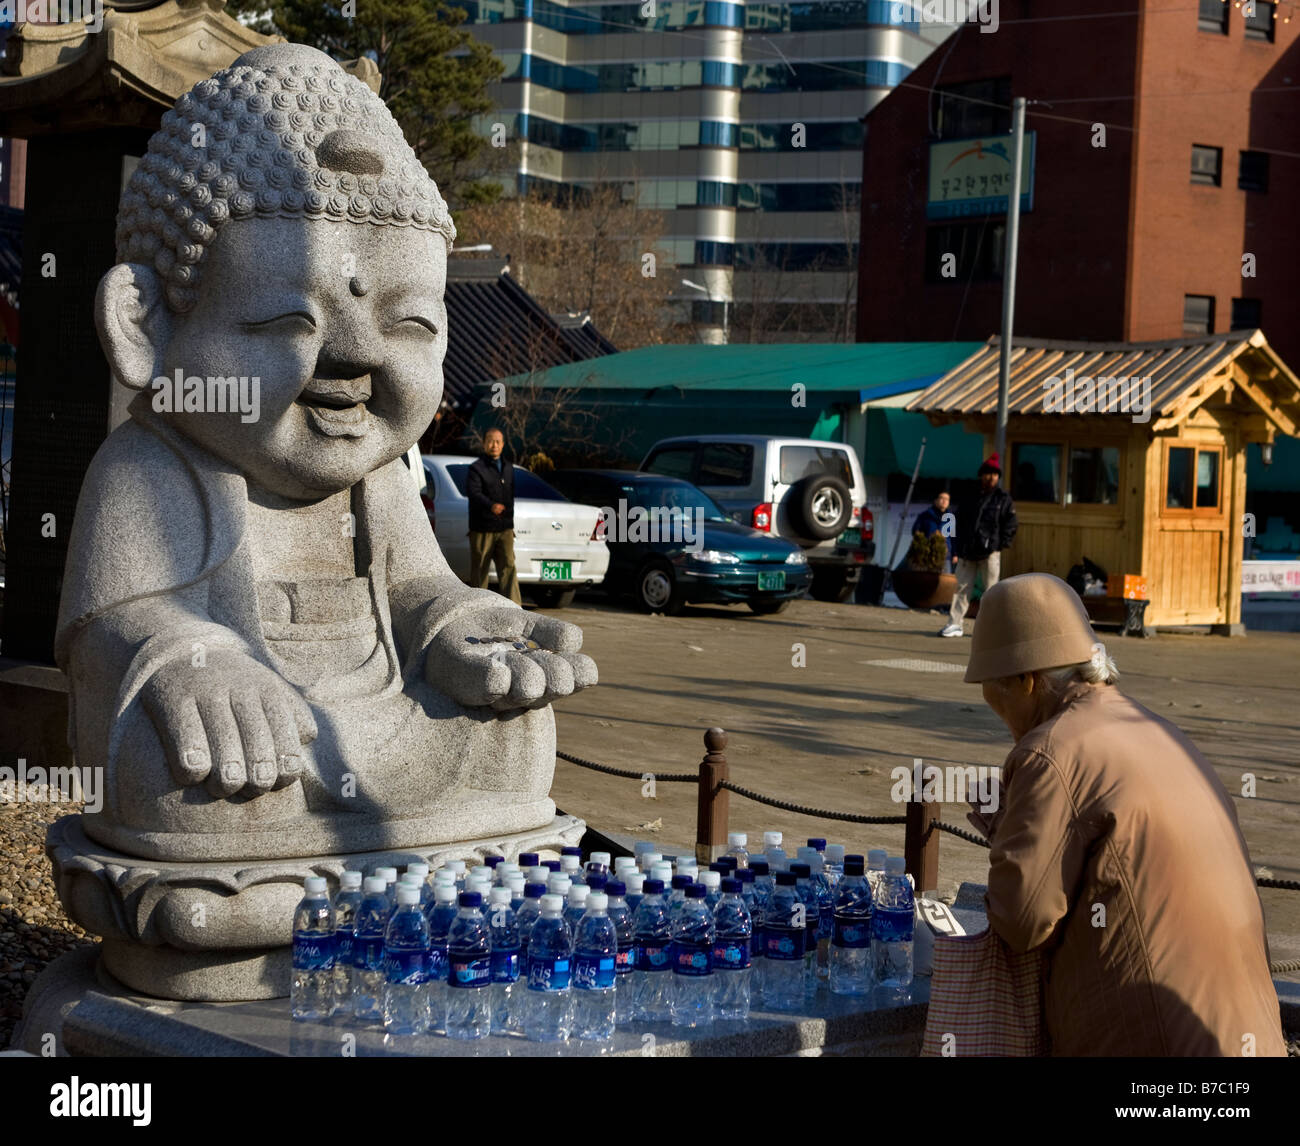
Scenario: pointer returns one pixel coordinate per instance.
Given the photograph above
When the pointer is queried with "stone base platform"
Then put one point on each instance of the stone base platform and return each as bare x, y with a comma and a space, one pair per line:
76, 1008
220, 932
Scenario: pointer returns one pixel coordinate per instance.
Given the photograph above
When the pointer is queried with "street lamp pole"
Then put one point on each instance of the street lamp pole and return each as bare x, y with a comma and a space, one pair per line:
1009, 274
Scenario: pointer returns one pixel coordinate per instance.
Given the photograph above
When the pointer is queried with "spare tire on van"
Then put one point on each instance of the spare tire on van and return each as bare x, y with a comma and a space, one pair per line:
820, 507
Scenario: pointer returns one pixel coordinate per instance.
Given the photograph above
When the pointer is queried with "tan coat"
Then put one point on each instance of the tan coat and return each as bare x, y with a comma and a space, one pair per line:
1106, 805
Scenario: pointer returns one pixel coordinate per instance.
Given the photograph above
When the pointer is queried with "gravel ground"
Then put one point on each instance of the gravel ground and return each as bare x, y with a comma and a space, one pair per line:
33, 929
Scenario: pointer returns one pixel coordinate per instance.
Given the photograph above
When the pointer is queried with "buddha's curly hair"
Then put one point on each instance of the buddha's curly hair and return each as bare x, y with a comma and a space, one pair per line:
286, 133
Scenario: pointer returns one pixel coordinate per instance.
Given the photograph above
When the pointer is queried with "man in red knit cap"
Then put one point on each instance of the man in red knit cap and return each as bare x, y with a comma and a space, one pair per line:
985, 526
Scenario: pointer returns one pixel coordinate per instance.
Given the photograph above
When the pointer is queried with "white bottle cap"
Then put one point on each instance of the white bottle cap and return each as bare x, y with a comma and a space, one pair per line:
482, 886
570, 863
499, 895
314, 885
805, 854
458, 866
686, 864
711, 879
834, 853
387, 874
663, 871
578, 894
552, 904
622, 862
601, 858
895, 865
420, 869
558, 884
737, 839
596, 901
409, 879
876, 857
538, 874
504, 869
635, 881
444, 879
407, 895
350, 880
444, 893
514, 883
772, 839
374, 885
481, 871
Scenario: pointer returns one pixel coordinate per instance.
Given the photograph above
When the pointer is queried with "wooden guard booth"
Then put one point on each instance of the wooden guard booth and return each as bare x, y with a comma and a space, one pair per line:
1163, 497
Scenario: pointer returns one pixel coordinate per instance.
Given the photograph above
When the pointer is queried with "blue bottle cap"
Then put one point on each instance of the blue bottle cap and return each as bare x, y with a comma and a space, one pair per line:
571, 852
597, 881
614, 888
680, 881
470, 899
801, 870
720, 868
785, 879
745, 874
492, 861
855, 866
527, 859
552, 865
729, 862
731, 887
534, 890
818, 843
653, 887
760, 867
694, 891
855, 858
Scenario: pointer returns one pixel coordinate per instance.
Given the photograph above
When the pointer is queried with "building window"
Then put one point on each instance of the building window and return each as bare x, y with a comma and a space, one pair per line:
959, 252
1259, 17
1036, 471
1198, 314
982, 107
1212, 16
1207, 164
710, 253
1246, 314
1192, 479
1252, 172
1094, 476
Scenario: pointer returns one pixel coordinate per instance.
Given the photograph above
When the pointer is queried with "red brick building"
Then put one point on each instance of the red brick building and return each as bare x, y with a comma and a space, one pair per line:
1166, 146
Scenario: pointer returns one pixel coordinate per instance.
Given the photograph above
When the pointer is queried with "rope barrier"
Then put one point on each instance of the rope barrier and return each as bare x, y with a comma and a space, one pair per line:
666, 777
1284, 884
802, 810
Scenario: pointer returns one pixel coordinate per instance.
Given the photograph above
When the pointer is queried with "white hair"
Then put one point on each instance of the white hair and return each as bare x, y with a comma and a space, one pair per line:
1097, 669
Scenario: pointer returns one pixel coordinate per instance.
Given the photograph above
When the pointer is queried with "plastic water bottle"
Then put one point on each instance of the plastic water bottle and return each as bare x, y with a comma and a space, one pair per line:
596, 880
526, 916
733, 935
480, 871
652, 934
389, 876
851, 971
812, 919
746, 877
662, 871
625, 962
711, 881
736, 842
406, 967
557, 884
820, 888
346, 902
457, 868
647, 860
514, 884
469, 971
599, 863
876, 868
494, 862
575, 905
368, 976
311, 990
547, 1016
817, 844
539, 874
834, 869
441, 917
503, 932
640, 848
595, 960
783, 940
621, 862
689, 867
891, 927
528, 860
634, 881
772, 852
692, 959
571, 865
677, 896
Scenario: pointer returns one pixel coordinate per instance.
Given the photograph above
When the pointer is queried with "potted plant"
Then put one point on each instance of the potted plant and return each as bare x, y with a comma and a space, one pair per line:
923, 580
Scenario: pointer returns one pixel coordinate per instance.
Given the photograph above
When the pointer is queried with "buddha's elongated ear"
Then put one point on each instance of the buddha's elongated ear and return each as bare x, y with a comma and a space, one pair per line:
134, 322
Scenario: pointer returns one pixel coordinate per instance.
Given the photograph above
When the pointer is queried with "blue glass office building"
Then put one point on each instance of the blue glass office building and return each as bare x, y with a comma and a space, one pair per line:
740, 121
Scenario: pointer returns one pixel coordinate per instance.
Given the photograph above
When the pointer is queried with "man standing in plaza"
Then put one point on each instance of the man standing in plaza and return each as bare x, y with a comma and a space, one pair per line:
985, 526
491, 492
930, 521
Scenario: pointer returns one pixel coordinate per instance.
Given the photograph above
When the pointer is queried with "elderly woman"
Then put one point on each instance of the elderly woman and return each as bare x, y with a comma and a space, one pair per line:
1115, 848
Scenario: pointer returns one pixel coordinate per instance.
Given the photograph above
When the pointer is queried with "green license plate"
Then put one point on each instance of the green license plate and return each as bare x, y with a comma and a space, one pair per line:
769, 581
557, 570
850, 537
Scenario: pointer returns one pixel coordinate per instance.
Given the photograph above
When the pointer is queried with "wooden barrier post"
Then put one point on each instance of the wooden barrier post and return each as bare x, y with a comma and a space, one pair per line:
921, 844
714, 801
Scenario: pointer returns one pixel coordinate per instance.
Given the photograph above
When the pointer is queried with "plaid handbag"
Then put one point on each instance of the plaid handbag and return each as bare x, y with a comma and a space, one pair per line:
985, 1000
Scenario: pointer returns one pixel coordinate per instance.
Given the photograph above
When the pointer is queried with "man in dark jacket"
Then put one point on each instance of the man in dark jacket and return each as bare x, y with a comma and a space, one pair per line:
930, 521
491, 491
985, 526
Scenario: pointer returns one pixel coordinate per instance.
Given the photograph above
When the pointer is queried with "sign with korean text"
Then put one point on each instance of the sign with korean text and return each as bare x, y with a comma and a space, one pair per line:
973, 176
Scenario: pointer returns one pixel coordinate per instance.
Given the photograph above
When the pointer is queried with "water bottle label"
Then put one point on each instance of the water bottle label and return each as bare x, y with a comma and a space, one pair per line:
469, 970
368, 952
783, 943
548, 974
690, 958
625, 960
811, 922
342, 947
593, 972
889, 926
731, 955
313, 952
408, 967
652, 957
852, 931
505, 966
438, 964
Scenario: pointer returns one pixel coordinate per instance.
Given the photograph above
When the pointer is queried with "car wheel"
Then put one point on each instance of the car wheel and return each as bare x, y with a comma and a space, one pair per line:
820, 507
831, 585
769, 608
656, 589
551, 597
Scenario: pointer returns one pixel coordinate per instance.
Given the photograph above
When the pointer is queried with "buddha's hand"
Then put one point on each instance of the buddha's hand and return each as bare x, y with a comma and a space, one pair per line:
231, 722
506, 659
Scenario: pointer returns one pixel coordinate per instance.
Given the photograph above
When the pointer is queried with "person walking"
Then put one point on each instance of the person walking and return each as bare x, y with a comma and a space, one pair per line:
985, 527
930, 521
491, 491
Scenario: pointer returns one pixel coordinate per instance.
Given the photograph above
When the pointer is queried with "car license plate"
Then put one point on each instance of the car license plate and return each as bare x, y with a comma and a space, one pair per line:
557, 570
850, 537
769, 581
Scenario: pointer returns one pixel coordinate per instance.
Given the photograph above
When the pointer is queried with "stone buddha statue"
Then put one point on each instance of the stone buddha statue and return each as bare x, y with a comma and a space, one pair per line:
268, 653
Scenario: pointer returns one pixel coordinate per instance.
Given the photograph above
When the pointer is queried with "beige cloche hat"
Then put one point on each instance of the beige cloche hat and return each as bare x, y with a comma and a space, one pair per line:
1029, 622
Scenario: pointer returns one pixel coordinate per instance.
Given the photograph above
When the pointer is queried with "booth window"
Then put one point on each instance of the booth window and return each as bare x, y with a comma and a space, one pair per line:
1094, 476
1192, 479
1036, 471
